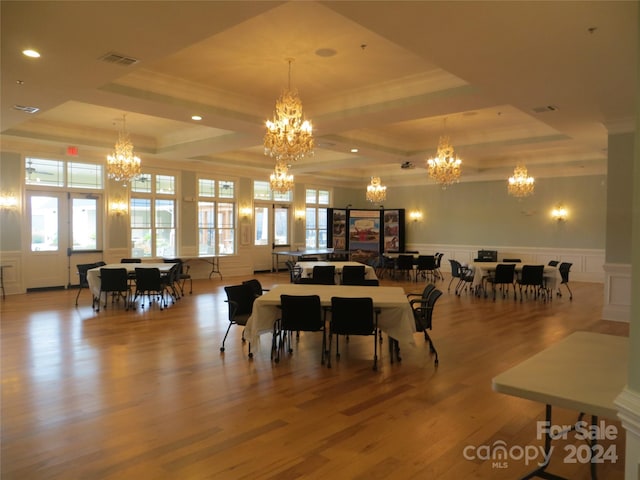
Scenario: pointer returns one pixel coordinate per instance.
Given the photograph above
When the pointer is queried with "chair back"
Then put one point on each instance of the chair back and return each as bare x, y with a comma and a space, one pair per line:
301, 313
455, 268
405, 262
175, 260
130, 260
240, 299
564, 271
553, 263
113, 280
511, 260
100, 263
505, 273
426, 262
439, 259
532, 275
255, 286
352, 274
423, 316
148, 279
324, 274
83, 268
352, 316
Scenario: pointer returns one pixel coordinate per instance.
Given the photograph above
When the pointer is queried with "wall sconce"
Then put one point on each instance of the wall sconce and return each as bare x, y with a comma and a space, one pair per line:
245, 212
118, 208
8, 201
415, 215
559, 214
300, 214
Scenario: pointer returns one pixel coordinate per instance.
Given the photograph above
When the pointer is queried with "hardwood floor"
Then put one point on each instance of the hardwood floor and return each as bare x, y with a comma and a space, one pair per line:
148, 395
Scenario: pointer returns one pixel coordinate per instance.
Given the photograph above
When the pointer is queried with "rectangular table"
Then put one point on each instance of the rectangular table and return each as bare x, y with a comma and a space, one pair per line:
584, 372
298, 255
552, 275
307, 269
93, 275
395, 319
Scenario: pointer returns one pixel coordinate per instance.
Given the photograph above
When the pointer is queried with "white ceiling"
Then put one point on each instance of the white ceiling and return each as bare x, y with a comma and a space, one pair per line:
396, 72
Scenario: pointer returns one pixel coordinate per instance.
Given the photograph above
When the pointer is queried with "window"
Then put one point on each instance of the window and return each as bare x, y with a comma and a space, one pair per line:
51, 173
317, 202
153, 216
262, 191
216, 217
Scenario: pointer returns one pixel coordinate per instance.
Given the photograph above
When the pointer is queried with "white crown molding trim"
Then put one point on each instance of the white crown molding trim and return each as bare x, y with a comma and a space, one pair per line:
621, 125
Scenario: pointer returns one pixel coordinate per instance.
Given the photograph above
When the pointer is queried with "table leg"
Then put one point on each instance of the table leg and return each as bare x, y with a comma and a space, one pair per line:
2, 280
215, 267
541, 472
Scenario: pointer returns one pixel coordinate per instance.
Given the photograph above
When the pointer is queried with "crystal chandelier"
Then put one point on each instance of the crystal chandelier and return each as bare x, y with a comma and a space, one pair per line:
445, 167
376, 192
289, 137
520, 184
122, 165
281, 180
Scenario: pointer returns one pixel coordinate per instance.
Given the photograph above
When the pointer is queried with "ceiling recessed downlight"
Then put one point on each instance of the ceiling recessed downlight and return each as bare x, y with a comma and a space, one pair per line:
197, 118
31, 53
354, 150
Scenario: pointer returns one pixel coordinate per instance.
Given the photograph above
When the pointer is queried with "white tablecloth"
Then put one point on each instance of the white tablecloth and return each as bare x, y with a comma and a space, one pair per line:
93, 275
307, 269
395, 319
552, 275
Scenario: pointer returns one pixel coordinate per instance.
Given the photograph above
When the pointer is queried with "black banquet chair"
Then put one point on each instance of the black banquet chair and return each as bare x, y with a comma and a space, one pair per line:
505, 277
426, 266
564, 268
423, 316
353, 316
404, 265
240, 299
183, 274
116, 282
299, 313
463, 274
532, 279
83, 268
324, 275
149, 283
353, 274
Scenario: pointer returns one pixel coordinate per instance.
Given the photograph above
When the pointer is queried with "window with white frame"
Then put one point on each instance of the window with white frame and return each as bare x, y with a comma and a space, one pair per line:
317, 201
153, 216
216, 217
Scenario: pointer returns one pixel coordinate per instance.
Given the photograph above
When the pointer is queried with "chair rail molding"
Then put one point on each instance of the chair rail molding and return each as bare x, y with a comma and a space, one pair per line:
617, 292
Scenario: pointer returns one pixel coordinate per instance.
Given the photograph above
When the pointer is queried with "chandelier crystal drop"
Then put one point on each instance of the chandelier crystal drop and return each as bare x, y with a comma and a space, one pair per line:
376, 192
520, 184
289, 136
281, 180
445, 167
123, 165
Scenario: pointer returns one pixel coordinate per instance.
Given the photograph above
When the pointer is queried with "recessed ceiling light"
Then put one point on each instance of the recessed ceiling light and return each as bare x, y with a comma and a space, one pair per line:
325, 52
196, 117
31, 53
354, 150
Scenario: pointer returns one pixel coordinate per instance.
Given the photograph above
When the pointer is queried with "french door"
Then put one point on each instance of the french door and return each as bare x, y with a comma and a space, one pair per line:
63, 229
271, 230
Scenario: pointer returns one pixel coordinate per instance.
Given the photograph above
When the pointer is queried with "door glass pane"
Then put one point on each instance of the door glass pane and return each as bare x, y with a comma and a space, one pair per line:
261, 190
142, 183
44, 172
310, 196
281, 226
261, 232
206, 231
84, 223
84, 175
227, 189
206, 188
165, 231
44, 224
140, 211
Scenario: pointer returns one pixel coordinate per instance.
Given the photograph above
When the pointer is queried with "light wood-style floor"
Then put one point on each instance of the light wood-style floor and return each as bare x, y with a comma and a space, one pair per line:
148, 395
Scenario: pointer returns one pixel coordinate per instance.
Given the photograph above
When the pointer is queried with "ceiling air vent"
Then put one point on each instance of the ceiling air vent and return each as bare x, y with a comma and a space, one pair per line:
118, 59
25, 109
546, 108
